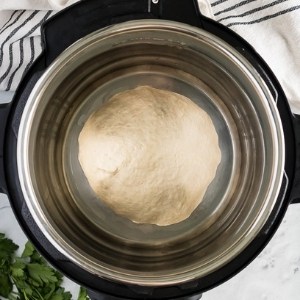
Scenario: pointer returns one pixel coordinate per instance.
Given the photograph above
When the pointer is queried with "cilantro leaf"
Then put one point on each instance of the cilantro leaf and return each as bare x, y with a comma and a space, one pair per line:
28, 250
29, 277
17, 272
7, 249
5, 285
37, 258
22, 285
7, 246
59, 277
17, 268
41, 273
60, 294
83, 294
49, 290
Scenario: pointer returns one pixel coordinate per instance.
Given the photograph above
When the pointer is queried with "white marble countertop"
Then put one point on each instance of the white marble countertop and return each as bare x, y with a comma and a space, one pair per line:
273, 275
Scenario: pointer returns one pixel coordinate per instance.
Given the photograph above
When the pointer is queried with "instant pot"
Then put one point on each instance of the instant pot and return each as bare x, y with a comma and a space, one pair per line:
95, 49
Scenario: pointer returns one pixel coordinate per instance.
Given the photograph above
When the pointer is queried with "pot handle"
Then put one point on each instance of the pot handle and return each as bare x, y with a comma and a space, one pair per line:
4, 112
295, 194
85, 17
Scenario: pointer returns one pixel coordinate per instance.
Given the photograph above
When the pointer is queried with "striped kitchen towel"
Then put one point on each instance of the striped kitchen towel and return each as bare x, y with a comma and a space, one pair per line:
271, 26
35, 4
273, 29
20, 44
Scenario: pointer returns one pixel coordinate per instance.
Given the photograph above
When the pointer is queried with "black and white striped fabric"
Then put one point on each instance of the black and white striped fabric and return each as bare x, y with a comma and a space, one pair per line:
20, 44
272, 27
35, 4
248, 12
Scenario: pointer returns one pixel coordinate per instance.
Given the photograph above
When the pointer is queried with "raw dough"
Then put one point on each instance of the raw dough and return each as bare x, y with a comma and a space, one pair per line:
150, 155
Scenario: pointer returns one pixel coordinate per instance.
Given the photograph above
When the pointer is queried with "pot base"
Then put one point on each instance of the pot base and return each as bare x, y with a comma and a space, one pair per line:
99, 296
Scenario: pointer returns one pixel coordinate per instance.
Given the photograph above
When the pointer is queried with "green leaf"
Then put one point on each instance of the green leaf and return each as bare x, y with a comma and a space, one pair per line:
37, 258
5, 285
83, 294
59, 277
41, 273
28, 250
67, 296
60, 294
49, 290
17, 268
31, 252
29, 277
22, 285
33, 283
28, 291
7, 248
17, 273
57, 297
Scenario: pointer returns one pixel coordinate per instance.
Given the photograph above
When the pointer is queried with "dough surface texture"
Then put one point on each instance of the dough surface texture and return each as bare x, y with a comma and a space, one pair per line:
149, 155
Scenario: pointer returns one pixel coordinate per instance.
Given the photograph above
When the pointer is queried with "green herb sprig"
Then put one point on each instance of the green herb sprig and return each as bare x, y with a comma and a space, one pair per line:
29, 277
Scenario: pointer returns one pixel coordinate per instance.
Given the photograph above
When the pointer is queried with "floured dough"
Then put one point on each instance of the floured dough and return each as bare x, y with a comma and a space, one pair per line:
150, 155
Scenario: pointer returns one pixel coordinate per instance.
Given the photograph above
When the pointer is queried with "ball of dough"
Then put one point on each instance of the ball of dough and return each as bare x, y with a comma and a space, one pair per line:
150, 155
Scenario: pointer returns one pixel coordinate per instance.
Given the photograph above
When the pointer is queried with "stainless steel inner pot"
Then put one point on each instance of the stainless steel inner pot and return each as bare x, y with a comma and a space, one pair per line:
170, 56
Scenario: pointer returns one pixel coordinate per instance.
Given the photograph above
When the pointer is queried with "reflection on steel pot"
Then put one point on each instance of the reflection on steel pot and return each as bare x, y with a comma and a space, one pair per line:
201, 60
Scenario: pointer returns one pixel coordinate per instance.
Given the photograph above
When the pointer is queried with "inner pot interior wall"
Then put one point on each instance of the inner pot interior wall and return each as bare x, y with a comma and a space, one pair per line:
196, 246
